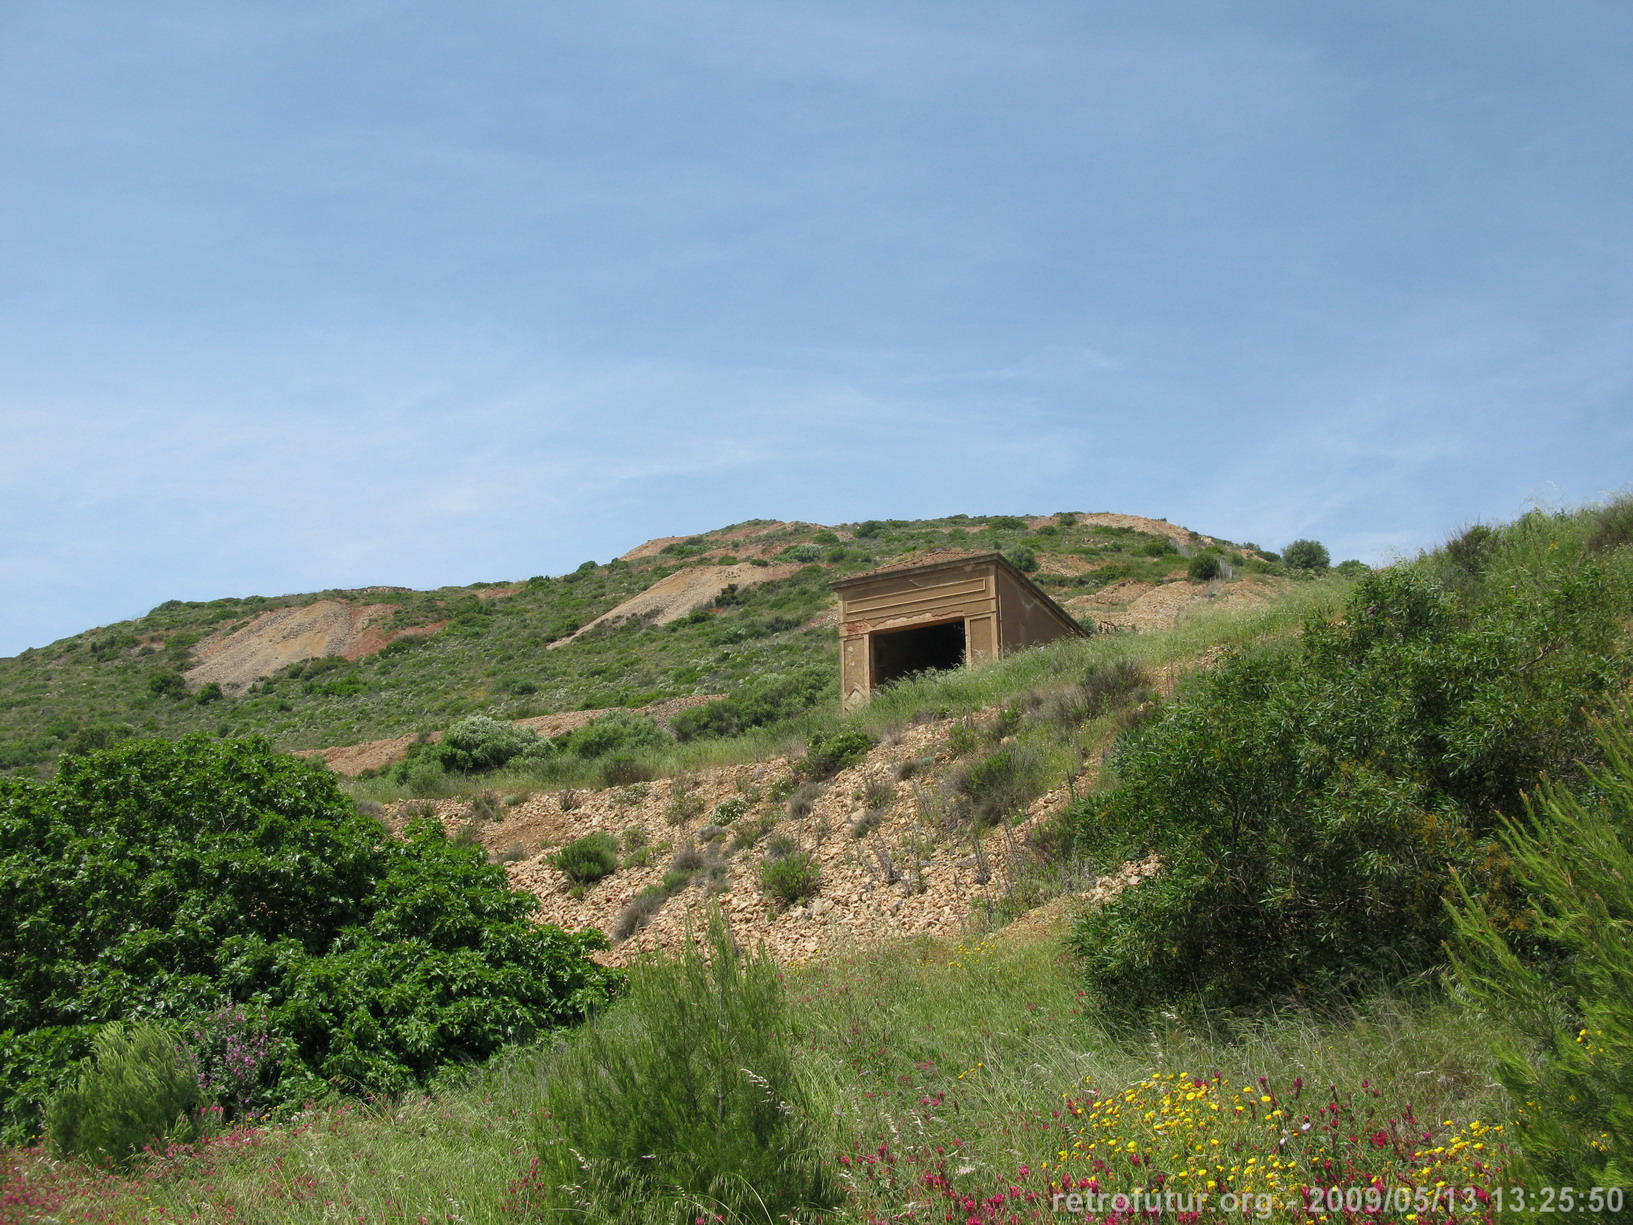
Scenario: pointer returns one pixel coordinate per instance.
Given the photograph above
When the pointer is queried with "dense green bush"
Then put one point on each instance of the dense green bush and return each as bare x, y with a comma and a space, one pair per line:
1204, 567
684, 1103
1556, 980
166, 878
1022, 558
167, 685
1311, 799
618, 731
477, 744
588, 859
139, 1088
1306, 555
712, 720
759, 701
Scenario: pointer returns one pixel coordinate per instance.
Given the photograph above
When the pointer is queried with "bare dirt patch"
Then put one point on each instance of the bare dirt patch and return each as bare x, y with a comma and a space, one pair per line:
1066, 564
354, 759
1131, 604
283, 636
670, 599
652, 547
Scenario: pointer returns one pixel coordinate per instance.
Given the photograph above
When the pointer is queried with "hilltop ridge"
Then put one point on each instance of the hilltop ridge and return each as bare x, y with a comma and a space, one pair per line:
676, 616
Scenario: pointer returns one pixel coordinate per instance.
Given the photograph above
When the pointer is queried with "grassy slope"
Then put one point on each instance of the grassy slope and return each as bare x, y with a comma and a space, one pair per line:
491, 656
993, 1026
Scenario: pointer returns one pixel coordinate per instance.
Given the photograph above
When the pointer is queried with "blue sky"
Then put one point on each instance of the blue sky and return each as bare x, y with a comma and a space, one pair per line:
331, 293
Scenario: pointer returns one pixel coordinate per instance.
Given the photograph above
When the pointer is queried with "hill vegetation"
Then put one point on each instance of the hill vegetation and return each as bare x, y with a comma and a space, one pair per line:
1319, 898
483, 648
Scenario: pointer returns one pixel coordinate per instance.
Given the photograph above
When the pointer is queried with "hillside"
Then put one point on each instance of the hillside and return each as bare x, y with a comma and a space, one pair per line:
675, 617
1263, 846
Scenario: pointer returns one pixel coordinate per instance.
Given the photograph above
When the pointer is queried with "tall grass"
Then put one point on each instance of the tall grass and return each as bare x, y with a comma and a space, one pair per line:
992, 1032
687, 1101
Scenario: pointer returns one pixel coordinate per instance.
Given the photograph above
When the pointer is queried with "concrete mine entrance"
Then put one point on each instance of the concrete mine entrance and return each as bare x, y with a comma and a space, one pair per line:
934, 610
921, 649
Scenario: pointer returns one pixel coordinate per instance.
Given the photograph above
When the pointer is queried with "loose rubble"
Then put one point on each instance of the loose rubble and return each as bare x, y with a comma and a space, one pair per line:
902, 872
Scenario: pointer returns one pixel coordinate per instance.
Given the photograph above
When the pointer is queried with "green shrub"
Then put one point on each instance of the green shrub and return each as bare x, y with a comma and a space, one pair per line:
588, 859
1310, 799
759, 701
167, 685
623, 770
1022, 558
1306, 555
712, 720
830, 754
803, 553
1104, 687
1556, 981
729, 810
620, 731
422, 776
163, 877
750, 832
790, 878
139, 1088
1204, 567
686, 1102
1612, 527
1006, 523
477, 744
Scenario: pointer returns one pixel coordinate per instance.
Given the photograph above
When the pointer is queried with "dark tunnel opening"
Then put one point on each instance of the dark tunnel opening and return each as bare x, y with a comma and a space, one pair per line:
920, 649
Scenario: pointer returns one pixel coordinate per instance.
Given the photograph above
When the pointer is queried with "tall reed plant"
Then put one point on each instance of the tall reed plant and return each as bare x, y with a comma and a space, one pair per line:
140, 1087
686, 1101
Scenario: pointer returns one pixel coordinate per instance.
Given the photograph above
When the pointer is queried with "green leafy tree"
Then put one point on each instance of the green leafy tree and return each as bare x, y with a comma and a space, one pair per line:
1311, 800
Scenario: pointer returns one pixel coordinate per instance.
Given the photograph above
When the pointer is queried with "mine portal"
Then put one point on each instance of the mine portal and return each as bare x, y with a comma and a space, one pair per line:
935, 611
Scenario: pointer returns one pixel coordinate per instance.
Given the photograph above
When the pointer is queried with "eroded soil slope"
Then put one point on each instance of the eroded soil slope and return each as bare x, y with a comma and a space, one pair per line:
283, 636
